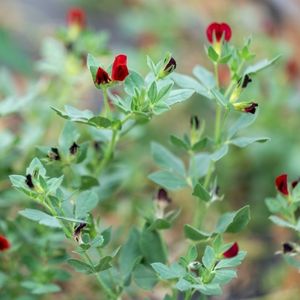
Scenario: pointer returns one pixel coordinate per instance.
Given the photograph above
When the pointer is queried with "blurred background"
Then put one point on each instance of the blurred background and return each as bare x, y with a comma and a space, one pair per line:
32, 74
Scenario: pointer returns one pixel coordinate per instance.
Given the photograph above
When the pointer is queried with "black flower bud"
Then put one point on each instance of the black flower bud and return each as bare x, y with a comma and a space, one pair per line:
29, 182
170, 65
244, 81
77, 232
74, 148
195, 123
54, 154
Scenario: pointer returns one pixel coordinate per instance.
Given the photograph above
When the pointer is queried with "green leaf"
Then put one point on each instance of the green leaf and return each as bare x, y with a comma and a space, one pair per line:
54, 184
201, 193
274, 205
280, 222
104, 264
224, 276
176, 141
205, 77
183, 285
231, 262
38, 288
152, 92
168, 180
212, 54
85, 202
261, 65
41, 217
242, 122
80, 266
200, 145
164, 91
180, 95
209, 258
234, 221
218, 154
240, 220
199, 165
209, 289
36, 168
18, 181
188, 82
195, 234
167, 160
130, 253
152, 247
145, 277
192, 253
219, 97
99, 122
160, 224
167, 273
88, 182
245, 141
133, 81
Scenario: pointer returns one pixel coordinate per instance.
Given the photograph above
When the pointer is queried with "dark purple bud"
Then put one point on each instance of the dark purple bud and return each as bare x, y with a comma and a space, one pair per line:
74, 148
54, 154
195, 123
244, 81
77, 231
29, 182
162, 196
170, 65
287, 248
251, 108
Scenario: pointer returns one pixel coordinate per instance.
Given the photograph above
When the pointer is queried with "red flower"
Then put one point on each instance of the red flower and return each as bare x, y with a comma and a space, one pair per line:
217, 31
102, 76
292, 70
232, 251
251, 108
76, 16
281, 184
4, 243
119, 68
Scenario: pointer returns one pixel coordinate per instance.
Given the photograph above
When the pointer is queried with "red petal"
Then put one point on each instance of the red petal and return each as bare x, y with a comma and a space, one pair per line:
218, 30
4, 243
225, 28
102, 76
76, 16
281, 184
119, 68
232, 251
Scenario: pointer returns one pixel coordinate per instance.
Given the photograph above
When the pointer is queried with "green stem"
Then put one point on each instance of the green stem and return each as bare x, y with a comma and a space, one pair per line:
188, 295
109, 151
105, 102
107, 290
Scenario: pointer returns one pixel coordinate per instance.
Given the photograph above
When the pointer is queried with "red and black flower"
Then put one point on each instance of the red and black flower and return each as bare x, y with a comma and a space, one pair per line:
76, 16
282, 184
232, 251
119, 71
4, 243
217, 31
247, 107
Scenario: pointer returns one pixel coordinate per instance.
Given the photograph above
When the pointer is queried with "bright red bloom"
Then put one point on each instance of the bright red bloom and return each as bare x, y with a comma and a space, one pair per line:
76, 16
217, 31
119, 68
232, 251
102, 77
281, 184
4, 243
292, 70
